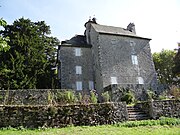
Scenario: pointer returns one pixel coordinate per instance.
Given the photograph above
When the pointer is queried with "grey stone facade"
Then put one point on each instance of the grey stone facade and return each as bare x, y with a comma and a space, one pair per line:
110, 55
68, 62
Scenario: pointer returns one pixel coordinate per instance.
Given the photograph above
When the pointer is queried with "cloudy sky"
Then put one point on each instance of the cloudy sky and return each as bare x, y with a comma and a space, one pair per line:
155, 19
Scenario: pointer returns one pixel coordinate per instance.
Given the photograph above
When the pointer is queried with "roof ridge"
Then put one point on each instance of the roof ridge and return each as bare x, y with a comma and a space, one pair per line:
114, 30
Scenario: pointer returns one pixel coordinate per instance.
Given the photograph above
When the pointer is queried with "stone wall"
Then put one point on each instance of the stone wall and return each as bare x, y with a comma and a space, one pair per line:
60, 116
116, 61
69, 62
156, 109
138, 90
97, 61
28, 96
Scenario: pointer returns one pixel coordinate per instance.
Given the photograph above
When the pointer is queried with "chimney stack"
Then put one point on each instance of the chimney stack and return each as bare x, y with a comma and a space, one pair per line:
131, 28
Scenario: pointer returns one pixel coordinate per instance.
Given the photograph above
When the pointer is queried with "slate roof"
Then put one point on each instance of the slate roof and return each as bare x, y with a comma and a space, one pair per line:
77, 40
114, 30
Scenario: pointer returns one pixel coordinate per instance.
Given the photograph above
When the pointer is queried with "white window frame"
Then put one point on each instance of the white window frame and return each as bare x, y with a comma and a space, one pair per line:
77, 51
140, 80
78, 70
114, 80
91, 85
78, 85
134, 59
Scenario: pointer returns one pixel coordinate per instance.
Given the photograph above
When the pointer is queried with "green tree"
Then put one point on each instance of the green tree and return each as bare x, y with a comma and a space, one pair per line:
164, 64
176, 69
3, 40
31, 56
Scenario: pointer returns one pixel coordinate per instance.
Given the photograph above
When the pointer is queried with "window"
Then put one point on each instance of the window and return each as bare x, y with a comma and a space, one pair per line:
113, 41
113, 80
77, 51
78, 70
140, 80
134, 59
91, 85
78, 85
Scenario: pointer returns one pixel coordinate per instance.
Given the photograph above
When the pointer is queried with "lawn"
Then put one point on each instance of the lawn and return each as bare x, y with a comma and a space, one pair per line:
164, 126
99, 130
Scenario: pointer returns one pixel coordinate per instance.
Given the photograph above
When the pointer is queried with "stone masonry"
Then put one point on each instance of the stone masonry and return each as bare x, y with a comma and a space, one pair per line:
110, 55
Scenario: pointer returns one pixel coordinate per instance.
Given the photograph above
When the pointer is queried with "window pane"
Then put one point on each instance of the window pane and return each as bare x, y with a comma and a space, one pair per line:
78, 85
113, 80
77, 51
78, 70
91, 85
134, 59
140, 80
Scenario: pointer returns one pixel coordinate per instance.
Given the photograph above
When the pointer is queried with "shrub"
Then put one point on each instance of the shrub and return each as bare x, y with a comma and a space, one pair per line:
70, 96
106, 96
50, 98
175, 92
163, 96
93, 97
150, 95
128, 97
66, 97
79, 97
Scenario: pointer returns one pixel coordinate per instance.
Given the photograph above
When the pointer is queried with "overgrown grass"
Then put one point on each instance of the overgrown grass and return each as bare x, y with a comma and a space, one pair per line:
164, 126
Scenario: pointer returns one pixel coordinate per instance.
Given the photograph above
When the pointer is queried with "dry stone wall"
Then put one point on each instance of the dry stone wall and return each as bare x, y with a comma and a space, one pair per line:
26, 96
60, 116
166, 108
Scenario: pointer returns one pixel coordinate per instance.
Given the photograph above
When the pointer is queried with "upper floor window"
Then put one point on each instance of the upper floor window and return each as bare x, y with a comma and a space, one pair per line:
113, 80
78, 70
77, 51
134, 59
78, 85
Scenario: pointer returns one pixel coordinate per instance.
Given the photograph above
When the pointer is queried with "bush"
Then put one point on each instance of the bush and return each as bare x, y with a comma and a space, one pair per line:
66, 97
50, 98
163, 95
128, 97
175, 92
93, 97
106, 96
150, 95
79, 97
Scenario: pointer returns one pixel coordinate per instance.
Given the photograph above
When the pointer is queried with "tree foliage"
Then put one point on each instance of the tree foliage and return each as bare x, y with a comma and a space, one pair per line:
176, 69
3, 40
32, 54
164, 63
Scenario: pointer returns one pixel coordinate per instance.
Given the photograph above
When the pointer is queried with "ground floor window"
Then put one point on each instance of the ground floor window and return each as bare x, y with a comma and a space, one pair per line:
78, 85
91, 85
140, 80
113, 80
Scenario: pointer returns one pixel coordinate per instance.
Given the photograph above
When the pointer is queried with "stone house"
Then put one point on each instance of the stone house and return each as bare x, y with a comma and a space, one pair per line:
105, 56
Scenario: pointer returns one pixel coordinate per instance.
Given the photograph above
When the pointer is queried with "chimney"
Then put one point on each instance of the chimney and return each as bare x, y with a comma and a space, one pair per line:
131, 28
88, 29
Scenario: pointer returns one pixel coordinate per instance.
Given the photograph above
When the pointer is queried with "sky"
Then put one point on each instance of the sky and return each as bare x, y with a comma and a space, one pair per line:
158, 20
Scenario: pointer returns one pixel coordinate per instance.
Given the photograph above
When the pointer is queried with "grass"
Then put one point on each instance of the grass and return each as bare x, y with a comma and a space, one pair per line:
98, 130
164, 126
